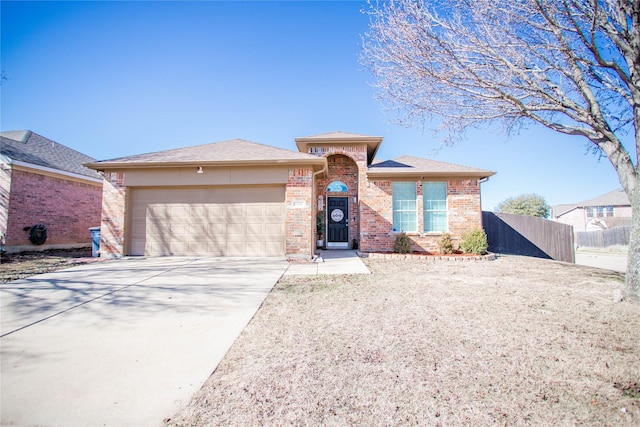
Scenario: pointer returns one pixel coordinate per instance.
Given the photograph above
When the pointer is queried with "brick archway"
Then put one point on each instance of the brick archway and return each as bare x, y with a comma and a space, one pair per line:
341, 167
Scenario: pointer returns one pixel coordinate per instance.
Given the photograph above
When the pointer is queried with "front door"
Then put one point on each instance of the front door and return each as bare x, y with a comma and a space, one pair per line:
338, 222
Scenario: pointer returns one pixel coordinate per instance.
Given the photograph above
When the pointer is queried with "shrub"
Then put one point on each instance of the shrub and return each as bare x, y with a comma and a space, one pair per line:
402, 244
445, 244
474, 242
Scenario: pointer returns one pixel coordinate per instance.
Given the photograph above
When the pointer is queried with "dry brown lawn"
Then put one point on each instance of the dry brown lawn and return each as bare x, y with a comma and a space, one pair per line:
27, 264
515, 341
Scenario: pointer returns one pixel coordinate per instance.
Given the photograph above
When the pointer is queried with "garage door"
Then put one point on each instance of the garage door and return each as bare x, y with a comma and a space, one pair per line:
219, 221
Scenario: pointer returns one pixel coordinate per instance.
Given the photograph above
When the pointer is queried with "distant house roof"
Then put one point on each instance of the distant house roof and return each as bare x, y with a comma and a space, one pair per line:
615, 197
559, 210
236, 151
29, 147
416, 166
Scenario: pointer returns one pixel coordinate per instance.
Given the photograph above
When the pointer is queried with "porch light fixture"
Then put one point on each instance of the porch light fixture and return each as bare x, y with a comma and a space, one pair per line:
199, 170
355, 199
320, 203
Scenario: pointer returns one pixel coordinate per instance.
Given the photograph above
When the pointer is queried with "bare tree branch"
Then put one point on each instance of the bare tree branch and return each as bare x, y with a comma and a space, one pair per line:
570, 65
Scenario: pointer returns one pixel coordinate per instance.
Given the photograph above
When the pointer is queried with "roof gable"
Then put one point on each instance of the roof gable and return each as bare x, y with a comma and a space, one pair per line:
232, 151
29, 147
414, 166
339, 137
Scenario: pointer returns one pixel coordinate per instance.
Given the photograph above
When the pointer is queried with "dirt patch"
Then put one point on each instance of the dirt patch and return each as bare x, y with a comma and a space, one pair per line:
27, 264
515, 341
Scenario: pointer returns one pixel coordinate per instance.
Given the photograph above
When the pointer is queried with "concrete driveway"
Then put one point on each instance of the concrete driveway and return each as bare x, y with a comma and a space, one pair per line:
122, 342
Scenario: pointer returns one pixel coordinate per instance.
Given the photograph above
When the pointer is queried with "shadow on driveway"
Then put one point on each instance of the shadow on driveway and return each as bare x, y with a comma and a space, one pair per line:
122, 342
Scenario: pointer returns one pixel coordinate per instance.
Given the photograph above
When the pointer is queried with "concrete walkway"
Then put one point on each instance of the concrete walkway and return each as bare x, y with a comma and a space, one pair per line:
123, 342
331, 262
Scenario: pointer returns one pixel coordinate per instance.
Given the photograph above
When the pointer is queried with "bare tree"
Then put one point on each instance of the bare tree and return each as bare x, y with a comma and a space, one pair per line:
570, 65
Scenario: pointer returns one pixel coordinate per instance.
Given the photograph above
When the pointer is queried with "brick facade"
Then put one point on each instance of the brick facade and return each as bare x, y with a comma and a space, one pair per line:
348, 164
370, 201
299, 222
114, 214
67, 207
463, 215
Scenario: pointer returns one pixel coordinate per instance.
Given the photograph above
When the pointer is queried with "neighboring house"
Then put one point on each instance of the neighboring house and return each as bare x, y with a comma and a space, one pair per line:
608, 210
239, 198
45, 183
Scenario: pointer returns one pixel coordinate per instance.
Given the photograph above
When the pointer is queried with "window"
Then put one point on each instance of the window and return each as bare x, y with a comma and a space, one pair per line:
435, 206
404, 207
599, 211
337, 187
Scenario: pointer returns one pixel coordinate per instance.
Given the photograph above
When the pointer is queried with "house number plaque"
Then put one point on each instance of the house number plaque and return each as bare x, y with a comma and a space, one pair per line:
337, 215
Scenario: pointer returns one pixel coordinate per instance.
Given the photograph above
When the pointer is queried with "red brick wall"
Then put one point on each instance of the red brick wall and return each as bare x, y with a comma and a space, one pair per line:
377, 217
66, 207
112, 227
463, 214
342, 168
299, 222
349, 165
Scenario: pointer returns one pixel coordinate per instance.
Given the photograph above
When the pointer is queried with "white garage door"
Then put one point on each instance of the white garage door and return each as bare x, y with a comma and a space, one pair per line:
219, 221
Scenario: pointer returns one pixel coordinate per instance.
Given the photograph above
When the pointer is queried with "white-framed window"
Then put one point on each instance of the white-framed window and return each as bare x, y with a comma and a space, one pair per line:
405, 204
434, 197
599, 211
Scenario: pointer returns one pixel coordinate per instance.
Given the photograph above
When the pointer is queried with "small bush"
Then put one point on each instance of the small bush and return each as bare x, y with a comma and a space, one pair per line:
402, 244
474, 242
445, 244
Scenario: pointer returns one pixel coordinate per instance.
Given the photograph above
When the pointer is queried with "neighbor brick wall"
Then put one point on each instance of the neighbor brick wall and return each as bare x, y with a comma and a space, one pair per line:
112, 226
299, 222
5, 187
463, 215
66, 207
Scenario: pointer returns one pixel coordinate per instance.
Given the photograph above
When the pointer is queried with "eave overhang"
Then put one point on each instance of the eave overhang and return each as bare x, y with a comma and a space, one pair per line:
316, 163
409, 174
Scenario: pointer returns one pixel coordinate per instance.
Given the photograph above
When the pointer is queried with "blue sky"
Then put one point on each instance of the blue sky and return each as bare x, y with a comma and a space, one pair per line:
113, 79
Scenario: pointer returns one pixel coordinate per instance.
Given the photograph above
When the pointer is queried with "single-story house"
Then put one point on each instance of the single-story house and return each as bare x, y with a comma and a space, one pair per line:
48, 198
608, 210
240, 198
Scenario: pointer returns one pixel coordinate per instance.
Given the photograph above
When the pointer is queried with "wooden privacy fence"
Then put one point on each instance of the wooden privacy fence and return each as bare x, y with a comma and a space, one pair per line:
603, 238
529, 236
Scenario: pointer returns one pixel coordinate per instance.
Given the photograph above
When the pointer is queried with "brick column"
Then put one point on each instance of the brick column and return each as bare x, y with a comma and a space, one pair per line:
300, 221
112, 227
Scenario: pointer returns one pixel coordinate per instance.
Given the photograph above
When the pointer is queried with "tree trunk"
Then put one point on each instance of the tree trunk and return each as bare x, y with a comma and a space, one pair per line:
632, 280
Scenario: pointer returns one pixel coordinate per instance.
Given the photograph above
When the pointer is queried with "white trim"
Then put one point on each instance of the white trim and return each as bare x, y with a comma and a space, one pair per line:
55, 171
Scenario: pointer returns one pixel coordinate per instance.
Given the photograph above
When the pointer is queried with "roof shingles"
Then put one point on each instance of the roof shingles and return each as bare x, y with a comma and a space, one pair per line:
236, 150
29, 147
409, 165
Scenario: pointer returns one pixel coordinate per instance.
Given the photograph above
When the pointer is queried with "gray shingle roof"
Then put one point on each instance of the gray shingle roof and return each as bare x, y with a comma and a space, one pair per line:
616, 197
236, 150
409, 165
558, 210
29, 147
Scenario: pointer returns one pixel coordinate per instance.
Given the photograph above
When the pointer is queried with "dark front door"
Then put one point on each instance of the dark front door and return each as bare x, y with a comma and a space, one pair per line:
338, 222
